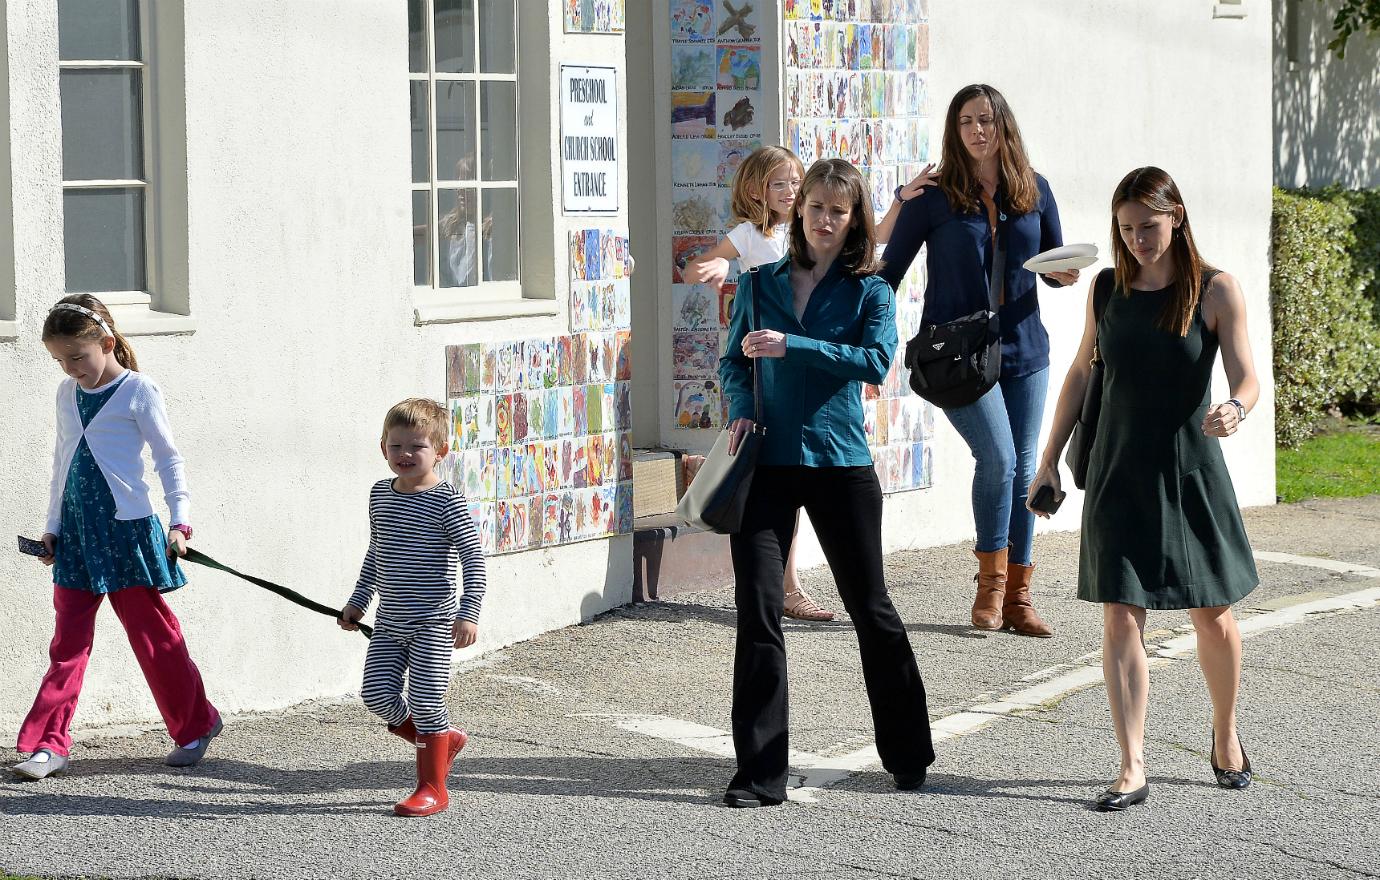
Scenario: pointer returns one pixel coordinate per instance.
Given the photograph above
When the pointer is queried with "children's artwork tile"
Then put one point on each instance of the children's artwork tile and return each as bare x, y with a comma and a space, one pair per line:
692, 20
693, 114
699, 209
739, 114
685, 248
595, 16
695, 354
482, 514
740, 67
693, 307
738, 20
697, 403
732, 152
692, 67
695, 160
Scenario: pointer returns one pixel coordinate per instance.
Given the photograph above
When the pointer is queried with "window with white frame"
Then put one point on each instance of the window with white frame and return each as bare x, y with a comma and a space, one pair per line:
464, 96
106, 191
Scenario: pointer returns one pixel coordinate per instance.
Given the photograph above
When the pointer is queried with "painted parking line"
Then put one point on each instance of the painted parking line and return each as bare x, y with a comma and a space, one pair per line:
814, 773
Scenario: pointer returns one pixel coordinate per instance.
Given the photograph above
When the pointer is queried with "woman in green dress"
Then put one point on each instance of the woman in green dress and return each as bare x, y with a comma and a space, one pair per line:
1161, 526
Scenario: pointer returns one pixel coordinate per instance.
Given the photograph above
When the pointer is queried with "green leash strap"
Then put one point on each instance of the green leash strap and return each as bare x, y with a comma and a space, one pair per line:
293, 596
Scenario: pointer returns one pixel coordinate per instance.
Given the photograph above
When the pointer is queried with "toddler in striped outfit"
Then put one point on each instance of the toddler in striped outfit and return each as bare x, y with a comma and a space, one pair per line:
419, 527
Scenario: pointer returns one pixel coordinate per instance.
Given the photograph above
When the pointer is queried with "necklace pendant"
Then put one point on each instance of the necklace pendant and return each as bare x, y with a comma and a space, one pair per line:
1001, 216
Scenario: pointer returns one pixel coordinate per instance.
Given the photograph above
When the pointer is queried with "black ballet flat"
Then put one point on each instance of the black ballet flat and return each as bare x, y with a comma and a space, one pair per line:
741, 798
1116, 801
1233, 779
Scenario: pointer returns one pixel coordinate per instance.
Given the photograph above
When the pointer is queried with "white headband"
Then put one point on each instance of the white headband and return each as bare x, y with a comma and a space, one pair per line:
73, 307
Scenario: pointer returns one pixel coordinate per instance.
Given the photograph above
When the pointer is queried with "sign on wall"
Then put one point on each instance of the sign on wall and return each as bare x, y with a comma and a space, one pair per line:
590, 161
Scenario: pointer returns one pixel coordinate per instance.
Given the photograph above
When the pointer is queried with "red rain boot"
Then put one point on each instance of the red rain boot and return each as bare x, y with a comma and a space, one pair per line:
408, 731
433, 763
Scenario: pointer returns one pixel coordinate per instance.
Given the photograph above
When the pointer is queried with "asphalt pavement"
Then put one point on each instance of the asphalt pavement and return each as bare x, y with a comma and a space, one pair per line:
597, 751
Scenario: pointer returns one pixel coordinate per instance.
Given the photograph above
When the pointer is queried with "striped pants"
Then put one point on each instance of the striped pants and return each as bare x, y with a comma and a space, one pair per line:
422, 650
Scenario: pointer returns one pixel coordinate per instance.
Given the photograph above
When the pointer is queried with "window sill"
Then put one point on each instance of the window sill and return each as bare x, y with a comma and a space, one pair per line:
9, 331
136, 320
454, 311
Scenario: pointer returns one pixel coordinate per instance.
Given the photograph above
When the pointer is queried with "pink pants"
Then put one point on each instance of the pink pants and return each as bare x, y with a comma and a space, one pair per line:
156, 638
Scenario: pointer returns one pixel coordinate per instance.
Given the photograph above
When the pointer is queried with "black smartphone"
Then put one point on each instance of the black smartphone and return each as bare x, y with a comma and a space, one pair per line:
1045, 499
30, 547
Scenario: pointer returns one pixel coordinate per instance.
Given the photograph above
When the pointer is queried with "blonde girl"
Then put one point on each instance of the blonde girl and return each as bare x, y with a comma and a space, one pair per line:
103, 538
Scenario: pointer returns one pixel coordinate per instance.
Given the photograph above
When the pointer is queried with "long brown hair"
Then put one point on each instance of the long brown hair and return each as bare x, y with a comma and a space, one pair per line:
841, 180
749, 199
1156, 190
75, 325
958, 171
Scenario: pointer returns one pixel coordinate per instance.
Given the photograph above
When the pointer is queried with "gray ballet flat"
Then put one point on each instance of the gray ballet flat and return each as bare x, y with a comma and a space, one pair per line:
42, 764
180, 757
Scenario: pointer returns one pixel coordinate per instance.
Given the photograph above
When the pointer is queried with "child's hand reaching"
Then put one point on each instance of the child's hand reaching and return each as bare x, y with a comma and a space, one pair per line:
349, 619
465, 633
711, 271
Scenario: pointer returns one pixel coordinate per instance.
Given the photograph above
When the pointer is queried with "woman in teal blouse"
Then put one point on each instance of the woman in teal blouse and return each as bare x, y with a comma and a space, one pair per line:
826, 324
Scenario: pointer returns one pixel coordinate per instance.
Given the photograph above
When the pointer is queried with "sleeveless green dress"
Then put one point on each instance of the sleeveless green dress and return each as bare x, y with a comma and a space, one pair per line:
1161, 526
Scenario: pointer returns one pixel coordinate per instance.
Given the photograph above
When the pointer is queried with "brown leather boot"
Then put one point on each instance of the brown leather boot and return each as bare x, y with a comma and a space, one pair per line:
991, 581
1017, 611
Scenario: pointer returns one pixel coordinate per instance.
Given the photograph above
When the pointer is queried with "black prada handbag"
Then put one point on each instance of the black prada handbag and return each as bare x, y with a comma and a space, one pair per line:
953, 364
717, 496
1085, 429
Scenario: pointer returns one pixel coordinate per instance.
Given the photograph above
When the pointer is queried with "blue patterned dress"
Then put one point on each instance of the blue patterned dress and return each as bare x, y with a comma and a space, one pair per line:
95, 551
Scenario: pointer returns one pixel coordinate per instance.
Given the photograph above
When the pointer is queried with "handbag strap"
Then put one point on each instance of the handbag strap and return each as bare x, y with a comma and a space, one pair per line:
1101, 293
756, 373
996, 282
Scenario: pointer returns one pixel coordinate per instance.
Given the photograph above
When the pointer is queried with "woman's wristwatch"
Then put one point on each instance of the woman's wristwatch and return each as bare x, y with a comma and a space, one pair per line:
1240, 409
897, 192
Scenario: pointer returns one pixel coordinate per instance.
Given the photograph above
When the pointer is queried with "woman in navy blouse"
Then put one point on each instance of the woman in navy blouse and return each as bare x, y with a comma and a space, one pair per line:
826, 325
987, 190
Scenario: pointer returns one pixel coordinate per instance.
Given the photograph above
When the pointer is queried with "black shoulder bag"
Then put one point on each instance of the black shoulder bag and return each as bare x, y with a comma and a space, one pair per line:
955, 363
718, 494
1085, 429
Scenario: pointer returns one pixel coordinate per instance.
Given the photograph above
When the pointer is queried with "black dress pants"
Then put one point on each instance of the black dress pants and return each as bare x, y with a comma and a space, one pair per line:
845, 507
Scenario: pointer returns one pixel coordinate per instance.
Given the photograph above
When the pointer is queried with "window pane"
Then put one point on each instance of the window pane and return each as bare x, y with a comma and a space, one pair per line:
103, 235
98, 30
421, 162
102, 133
500, 235
499, 112
458, 243
454, 36
416, 36
497, 36
421, 240
455, 127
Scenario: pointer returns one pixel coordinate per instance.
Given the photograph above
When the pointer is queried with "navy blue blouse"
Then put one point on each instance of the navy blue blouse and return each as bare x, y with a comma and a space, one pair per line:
960, 261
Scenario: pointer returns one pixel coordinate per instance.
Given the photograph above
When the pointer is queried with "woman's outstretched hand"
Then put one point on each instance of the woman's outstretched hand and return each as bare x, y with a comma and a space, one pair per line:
1065, 279
736, 432
1047, 475
926, 177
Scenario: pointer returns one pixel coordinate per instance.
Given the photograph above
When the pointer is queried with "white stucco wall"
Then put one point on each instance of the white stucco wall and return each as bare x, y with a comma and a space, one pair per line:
1100, 87
1327, 109
298, 179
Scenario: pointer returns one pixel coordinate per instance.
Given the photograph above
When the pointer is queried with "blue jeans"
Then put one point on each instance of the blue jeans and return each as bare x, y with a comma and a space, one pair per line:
1002, 430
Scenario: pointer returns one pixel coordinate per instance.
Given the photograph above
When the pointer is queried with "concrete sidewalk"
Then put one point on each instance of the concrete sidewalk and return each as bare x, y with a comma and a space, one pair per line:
597, 750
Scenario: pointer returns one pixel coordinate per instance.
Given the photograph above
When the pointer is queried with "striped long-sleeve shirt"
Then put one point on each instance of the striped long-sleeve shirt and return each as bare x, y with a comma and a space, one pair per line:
415, 541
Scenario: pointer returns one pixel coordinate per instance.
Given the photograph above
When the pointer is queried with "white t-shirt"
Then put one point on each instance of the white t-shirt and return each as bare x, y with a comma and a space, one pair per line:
754, 248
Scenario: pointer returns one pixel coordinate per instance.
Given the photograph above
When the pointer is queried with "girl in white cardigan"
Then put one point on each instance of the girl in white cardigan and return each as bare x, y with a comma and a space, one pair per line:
103, 538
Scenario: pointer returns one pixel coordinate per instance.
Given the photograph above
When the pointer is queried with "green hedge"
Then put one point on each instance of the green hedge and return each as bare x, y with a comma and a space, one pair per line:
1325, 305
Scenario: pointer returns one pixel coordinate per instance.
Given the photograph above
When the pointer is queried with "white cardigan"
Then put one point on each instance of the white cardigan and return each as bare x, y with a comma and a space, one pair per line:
133, 416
